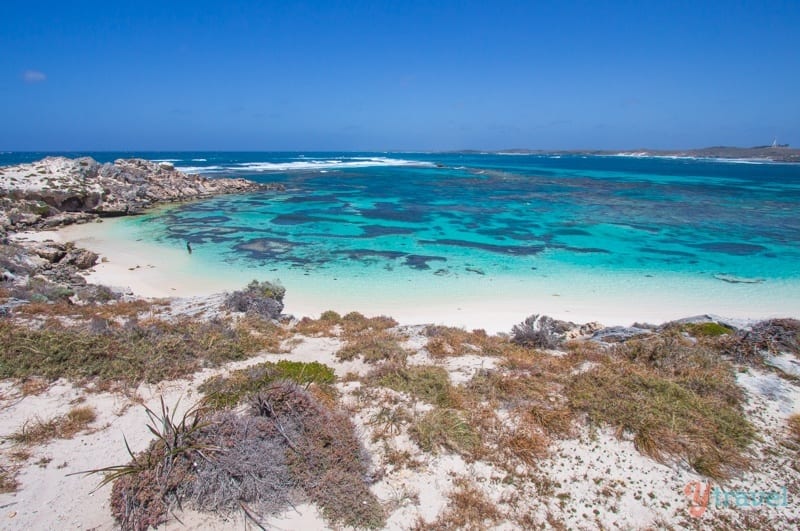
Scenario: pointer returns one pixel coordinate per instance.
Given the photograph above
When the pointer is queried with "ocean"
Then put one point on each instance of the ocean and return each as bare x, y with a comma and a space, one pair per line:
693, 234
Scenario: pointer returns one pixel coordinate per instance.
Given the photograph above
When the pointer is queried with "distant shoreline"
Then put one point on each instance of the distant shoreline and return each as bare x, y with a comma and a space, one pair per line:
759, 153
783, 154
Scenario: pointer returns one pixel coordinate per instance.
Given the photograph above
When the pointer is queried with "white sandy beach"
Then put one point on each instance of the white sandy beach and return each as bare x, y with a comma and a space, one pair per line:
492, 303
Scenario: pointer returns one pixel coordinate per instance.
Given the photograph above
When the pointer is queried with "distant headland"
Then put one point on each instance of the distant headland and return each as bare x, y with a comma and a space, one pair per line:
772, 153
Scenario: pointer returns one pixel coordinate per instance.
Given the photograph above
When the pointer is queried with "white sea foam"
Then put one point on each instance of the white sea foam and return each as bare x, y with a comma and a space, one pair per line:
200, 169
166, 160
306, 164
352, 162
198, 160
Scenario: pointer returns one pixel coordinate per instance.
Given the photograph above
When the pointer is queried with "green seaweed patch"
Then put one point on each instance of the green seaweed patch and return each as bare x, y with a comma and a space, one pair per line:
225, 392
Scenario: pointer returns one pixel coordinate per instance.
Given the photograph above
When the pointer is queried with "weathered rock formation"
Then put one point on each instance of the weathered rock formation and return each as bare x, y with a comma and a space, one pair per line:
57, 190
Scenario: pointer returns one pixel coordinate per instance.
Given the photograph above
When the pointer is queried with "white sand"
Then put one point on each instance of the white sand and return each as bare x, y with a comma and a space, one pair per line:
493, 303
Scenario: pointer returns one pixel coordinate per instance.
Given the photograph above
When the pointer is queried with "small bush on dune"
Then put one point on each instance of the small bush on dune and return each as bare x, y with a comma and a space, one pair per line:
538, 331
286, 445
771, 336
258, 298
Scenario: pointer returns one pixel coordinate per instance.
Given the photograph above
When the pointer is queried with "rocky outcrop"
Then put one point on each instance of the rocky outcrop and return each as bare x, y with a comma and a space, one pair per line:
58, 191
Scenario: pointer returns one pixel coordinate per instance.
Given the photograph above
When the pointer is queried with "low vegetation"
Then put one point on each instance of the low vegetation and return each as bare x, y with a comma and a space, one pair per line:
372, 346
241, 385
108, 353
38, 431
286, 446
468, 508
677, 399
427, 383
8, 481
264, 299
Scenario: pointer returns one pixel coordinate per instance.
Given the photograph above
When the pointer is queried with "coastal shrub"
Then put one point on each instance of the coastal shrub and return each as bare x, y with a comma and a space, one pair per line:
149, 351
771, 336
372, 346
538, 331
231, 390
41, 290
286, 446
670, 413
38, 431
258, 298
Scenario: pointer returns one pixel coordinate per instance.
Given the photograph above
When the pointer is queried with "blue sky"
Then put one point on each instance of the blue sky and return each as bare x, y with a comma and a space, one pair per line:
397, 75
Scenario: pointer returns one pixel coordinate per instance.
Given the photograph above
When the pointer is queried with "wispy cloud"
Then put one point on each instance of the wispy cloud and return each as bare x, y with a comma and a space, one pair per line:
33, 76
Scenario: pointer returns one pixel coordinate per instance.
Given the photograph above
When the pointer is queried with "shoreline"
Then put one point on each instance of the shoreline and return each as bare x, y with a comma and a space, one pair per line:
494, 303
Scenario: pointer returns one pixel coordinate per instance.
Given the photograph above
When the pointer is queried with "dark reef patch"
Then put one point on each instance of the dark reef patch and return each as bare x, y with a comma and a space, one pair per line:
373, 231
299, 218
516, 250
732, 248
395, 212
417, 261
669, 252
265, 248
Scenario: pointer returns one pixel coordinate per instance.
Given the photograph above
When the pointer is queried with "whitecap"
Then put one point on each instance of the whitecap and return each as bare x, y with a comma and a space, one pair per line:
199, 169
199, 160
166, 160
351, 162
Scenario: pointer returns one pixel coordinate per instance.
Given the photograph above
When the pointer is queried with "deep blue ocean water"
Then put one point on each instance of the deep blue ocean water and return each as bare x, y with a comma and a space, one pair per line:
456, 221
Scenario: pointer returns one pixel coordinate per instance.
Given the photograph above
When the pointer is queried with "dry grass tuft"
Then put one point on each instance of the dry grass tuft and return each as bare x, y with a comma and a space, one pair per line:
447, 429
677, 399
231, 390
8, 481
468, 508
794, 427
325, 326
373, 346
444, 341
66, 426
150, 350
428, 383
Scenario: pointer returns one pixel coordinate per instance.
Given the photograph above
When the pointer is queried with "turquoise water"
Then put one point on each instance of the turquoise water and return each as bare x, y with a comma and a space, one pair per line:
473, 214
456, 221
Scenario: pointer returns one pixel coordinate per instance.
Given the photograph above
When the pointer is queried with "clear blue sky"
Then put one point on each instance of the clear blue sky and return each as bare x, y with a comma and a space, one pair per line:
376, 75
